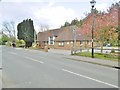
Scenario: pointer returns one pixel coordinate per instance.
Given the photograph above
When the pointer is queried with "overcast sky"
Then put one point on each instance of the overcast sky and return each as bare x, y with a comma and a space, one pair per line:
49, 12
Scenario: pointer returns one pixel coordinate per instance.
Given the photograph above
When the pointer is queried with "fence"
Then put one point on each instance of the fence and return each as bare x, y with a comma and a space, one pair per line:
96, 50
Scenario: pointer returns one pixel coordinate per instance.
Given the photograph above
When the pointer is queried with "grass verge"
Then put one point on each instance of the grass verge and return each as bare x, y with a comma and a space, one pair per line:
110, 56
90, 62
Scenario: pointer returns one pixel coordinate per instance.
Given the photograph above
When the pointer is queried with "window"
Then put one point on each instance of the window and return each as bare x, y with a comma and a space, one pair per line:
71, 41
81, 42
67, 42
51, 40
61, 44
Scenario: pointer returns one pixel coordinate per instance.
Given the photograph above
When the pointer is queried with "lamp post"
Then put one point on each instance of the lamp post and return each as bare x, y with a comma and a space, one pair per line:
73, 48
74, 33
92, 11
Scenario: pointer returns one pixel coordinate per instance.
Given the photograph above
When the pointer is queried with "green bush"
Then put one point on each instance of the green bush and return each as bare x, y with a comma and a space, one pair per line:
9, 43
20, 43
0, 41
112, 51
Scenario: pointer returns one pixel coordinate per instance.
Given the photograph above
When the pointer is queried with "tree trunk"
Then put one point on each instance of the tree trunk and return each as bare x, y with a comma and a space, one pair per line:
101, 48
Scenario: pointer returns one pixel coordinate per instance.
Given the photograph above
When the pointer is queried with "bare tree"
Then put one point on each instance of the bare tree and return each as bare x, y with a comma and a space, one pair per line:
44, 27
13, 27
9, 28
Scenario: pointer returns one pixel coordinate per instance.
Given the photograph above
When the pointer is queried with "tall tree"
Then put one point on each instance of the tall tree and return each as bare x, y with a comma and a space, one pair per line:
118, 32
26, 31
114, 5
106, 35
66, 24
75, 22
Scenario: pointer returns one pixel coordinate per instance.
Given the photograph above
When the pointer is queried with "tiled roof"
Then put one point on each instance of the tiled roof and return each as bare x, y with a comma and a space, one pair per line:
63, 34
43, 36
67, 34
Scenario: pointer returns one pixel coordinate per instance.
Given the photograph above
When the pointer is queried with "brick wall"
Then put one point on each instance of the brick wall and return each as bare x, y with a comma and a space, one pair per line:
69, 44
66, 45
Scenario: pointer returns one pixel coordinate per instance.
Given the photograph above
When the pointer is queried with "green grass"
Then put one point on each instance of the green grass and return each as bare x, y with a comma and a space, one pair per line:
100, 56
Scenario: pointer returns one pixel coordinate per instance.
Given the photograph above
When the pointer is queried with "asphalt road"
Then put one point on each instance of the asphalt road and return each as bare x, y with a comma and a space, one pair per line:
0, 67
36, 69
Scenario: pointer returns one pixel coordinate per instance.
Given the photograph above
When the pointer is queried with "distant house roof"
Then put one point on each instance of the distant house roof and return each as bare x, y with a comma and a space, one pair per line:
67, 34
43, 36
63, 34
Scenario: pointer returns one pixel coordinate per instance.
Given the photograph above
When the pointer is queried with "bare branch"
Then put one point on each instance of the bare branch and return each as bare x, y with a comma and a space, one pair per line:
43, 27
8, 27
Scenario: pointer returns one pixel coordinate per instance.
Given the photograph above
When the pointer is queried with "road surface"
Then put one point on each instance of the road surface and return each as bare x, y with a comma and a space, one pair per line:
0, 67
36, 69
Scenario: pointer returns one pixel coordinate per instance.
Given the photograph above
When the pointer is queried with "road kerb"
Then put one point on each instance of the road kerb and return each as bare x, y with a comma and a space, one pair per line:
112, 66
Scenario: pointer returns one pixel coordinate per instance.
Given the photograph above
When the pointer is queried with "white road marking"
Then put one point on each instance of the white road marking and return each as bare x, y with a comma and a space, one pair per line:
34, 60
19, 48
27, 57
13, 53
89, 78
